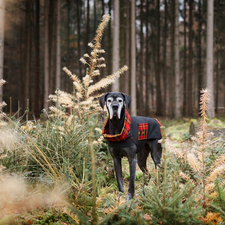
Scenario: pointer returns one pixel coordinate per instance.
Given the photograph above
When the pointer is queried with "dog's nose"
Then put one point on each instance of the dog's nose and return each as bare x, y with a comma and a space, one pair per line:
115, 107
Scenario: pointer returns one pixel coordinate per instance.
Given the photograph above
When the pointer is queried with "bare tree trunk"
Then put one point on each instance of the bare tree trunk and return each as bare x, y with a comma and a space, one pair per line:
165, 79
37, 62
58, 51
133, 59
127, 54
78, 38
140, 92
109, 42
199, 46
147, 61
87, 25
185, 65
209, 57
52, 44
190, 77
46, 58
116, 43
122, 44
171, 80
27, 54
177, 62
2, 23
67, 78
158, 80
217, 81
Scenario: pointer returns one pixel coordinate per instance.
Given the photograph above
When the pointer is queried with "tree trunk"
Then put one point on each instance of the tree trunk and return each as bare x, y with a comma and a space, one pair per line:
27, 54
102, 70
127, 54
158, 80
116, 43
67, 78
171, 80
109, 42
165, 79
147, 75
46, 58
87, 26
190, 77
199, 46
37, 60
133, 59
185, 65
58, 52
209, 57
78, 38
141, 86
52, 45
122, 44
2, 23
177, 62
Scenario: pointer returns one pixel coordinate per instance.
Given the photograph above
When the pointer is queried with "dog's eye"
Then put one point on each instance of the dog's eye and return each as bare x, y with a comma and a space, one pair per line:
120, 100
109, 100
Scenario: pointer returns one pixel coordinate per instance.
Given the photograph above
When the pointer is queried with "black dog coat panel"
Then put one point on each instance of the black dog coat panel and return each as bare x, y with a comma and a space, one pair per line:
141, 129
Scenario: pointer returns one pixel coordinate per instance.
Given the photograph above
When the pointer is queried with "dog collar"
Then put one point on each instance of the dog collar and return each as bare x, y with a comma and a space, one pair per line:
122, 135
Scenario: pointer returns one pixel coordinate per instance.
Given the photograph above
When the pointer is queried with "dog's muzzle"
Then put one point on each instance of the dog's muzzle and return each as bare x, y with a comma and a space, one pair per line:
115, 108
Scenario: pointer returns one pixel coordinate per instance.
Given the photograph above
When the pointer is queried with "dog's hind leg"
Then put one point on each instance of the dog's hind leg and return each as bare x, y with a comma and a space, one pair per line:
141, 159
156, 151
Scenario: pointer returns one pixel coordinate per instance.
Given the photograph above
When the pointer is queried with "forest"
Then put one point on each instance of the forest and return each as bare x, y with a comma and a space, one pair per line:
57, 57
46, 36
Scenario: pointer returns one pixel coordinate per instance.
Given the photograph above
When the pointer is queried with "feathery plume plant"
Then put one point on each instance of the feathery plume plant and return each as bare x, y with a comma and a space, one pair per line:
83, 102
2, 124
198, 156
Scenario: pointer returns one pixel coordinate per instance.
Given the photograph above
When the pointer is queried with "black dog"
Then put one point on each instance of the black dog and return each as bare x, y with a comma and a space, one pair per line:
129, 135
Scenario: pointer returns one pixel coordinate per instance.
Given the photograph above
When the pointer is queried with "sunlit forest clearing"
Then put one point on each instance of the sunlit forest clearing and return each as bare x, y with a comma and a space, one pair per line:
57, 169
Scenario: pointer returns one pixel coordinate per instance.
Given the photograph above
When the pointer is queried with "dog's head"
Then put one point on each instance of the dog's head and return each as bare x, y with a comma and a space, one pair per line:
115, 101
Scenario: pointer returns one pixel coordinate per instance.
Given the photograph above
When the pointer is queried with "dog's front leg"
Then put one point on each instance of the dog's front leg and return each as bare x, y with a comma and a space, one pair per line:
118, 170
132, 163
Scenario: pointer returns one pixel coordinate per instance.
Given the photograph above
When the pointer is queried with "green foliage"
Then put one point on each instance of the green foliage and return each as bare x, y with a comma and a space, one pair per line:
218, 203
171, 204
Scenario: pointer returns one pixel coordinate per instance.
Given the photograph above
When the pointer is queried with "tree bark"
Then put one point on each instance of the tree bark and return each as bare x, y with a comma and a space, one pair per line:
158, 80
58, 51
46, 58
27, 54
78, 38
177, 62
171, 80
185, 65
37, 60
133, 59
87, 26
127, 54
190, 57
2, 25
209, 57
141, 86
199, 46
109, 42
147, 75
165, 79
122, 80
116, 43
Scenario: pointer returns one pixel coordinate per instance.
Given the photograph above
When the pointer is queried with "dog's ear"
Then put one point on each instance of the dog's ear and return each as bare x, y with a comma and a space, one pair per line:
127, 100
102, 100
